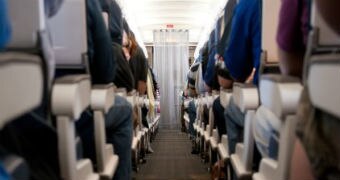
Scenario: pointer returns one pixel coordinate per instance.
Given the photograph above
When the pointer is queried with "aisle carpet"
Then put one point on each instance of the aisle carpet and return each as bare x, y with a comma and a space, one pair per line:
172, 159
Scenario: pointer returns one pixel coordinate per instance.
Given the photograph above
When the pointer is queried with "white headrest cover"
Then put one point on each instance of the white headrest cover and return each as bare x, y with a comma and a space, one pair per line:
102, 97
245, 96
71, 96
27, 19
21, 80
327, 37
270, 19
324, 84
280, 94
68, 29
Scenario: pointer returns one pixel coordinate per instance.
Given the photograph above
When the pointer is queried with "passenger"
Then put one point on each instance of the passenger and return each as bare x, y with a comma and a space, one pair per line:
191, 89
5, 29
291, 38
210, 76
223, 76
138, 64
240, 57
118, 121
124, 77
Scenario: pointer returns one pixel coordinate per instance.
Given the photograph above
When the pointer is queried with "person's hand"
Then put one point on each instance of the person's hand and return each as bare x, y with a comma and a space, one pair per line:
251, 77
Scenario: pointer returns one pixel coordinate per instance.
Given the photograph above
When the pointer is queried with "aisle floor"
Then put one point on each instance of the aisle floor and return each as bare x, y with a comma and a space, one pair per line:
172, 159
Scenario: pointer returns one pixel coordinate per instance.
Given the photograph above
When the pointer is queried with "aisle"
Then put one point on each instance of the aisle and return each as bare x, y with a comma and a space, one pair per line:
172, 159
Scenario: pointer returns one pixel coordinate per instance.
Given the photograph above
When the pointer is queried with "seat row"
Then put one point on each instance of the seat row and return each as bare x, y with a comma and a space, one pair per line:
276, 98
38, 46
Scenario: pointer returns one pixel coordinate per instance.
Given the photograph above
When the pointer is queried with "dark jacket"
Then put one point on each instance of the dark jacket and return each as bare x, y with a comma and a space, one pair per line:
139, 66
115, 19
102, 62
124, 77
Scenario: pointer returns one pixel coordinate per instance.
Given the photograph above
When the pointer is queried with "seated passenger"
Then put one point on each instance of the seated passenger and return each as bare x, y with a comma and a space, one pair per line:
240, 57
124, 77
118, 121
291, 38
223, 76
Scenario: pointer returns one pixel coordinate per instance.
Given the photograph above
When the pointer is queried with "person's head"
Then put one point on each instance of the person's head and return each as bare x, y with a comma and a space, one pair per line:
133, 43
329, 10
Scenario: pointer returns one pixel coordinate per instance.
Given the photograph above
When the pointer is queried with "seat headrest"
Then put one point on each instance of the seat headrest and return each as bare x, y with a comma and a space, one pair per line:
326, 36
245, 96
68, 30
323, 83
280, 94
27, 20
270, 19
21, 79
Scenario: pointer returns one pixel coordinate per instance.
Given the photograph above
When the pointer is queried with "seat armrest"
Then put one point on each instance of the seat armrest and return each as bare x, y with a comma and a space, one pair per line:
71, 95
268, 167
102, 97
245, 96
280, 94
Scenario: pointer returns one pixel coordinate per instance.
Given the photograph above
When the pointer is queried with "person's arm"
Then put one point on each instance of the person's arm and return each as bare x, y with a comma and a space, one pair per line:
329, 10
290, 38
5, 28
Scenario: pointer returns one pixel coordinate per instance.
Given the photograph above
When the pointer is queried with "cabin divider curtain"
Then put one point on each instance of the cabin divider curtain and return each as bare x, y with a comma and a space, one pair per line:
171, 64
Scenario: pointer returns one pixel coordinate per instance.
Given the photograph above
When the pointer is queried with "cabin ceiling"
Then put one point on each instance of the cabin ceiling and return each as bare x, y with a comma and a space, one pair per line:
149, 15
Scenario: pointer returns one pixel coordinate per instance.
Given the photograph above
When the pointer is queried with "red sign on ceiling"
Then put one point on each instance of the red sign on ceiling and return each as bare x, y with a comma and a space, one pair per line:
169, 26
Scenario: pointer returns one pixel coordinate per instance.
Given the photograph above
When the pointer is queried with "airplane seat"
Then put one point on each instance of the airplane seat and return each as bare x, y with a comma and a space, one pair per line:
71, 91
279, 95
23, 135
22, 90
132, 98
322, 38
223, 151
102, 99
247, 100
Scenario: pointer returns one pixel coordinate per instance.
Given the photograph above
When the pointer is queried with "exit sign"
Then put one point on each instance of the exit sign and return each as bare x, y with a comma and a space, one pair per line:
169, 26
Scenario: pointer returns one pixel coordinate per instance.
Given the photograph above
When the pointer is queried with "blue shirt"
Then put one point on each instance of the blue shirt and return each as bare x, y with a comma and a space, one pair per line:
210, 70
5, 28
244, 48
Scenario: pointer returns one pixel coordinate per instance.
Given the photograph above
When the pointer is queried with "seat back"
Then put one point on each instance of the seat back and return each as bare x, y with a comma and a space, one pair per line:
323, 83
68, 29
323, 35
270, 16
27, 20
22, 84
